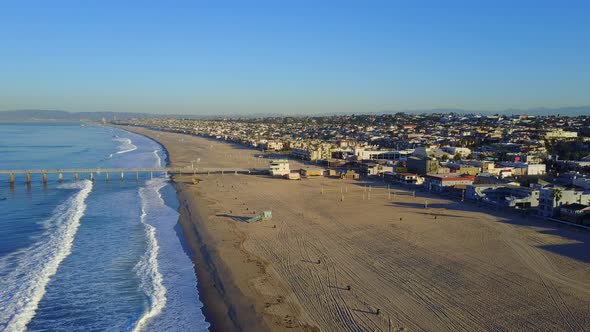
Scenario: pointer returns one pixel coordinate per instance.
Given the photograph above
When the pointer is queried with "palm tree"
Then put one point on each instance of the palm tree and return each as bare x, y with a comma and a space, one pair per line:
557, 194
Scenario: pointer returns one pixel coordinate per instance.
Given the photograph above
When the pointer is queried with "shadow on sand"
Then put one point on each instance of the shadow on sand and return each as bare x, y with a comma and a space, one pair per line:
234, 217
578, 248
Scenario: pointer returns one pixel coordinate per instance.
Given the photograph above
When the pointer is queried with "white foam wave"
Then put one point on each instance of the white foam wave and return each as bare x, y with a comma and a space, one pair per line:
126, 145
23, 287
159, 162
71, 185
182, 306
147, 268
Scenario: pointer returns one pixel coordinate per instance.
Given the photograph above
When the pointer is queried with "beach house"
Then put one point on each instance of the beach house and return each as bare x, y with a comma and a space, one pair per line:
443, 182
279, 167
575, 212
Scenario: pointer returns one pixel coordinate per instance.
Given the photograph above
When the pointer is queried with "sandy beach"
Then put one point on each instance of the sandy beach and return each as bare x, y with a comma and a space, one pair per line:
348, 256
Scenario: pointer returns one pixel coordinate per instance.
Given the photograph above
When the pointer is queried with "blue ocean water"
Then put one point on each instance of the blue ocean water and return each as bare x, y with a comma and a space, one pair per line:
90, 256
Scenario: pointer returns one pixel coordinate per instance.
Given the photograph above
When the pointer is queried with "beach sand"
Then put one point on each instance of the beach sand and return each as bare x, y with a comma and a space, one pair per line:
342, 256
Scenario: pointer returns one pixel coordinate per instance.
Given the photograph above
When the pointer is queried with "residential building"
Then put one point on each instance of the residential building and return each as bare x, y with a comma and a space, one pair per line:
442, 182
551, 198
363, 153
422, 165
560, 134
453, 150
311, 172
520, 168
350, 175
406, 178
505, 195
582, 182
279, 167
575, 212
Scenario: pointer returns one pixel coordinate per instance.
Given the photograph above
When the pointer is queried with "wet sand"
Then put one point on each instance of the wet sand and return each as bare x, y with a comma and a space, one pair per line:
340, 255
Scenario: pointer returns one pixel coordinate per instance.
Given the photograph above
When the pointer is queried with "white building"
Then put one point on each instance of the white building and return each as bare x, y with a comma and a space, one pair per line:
536, 169
279, 167
504, 195
438, 182
272, 145
464, 152
559, 133
362, 153
550, 199
527, 169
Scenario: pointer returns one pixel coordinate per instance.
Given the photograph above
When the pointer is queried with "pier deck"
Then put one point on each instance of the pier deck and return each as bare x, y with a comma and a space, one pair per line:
92, 172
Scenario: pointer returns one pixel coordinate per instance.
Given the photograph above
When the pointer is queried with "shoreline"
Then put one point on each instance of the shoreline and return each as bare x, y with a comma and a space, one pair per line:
224, 306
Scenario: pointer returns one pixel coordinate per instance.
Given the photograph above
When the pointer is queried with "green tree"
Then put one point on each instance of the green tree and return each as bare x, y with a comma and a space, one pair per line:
557, 195
457, 157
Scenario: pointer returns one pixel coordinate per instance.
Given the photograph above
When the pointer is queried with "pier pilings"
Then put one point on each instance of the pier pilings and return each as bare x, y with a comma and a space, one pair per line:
13, 173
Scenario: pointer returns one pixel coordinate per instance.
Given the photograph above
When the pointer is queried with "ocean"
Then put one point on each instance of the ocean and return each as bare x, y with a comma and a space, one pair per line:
91, 256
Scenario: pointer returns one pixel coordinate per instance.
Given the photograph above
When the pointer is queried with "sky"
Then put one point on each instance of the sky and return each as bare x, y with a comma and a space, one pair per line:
293, 57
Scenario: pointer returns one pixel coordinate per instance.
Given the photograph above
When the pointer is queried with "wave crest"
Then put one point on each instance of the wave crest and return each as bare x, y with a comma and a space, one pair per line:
23, 287
126, 145
147, 268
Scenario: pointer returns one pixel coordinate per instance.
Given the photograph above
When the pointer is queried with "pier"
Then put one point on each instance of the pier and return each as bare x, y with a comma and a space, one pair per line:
104, 173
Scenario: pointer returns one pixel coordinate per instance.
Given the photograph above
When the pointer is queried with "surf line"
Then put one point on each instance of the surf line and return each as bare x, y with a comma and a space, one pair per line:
126, 142
37, 267
147, 268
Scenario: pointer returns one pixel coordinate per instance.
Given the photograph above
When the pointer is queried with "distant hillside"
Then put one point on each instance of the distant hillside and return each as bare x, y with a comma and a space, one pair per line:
54, 115
539, 111
563, 111
51, 115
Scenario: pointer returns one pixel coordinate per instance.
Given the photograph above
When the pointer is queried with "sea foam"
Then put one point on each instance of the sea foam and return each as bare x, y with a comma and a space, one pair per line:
126, 145
158, 159
23, 287
147, 268
167, 273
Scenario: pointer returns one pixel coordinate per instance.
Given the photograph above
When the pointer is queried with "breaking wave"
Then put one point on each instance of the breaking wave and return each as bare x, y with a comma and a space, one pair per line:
23, 287
126, 145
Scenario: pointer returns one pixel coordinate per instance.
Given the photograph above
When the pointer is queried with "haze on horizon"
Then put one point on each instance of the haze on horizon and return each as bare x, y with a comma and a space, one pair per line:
293, 56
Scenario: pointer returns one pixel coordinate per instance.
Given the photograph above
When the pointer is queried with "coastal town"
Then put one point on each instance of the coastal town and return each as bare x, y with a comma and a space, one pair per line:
536, 165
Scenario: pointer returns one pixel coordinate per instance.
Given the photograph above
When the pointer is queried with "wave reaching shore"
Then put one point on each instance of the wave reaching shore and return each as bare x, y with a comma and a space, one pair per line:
126, 145
32, 268
147, 268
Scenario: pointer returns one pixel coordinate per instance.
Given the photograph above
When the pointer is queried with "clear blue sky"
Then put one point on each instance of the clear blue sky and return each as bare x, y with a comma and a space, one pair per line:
207, 57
